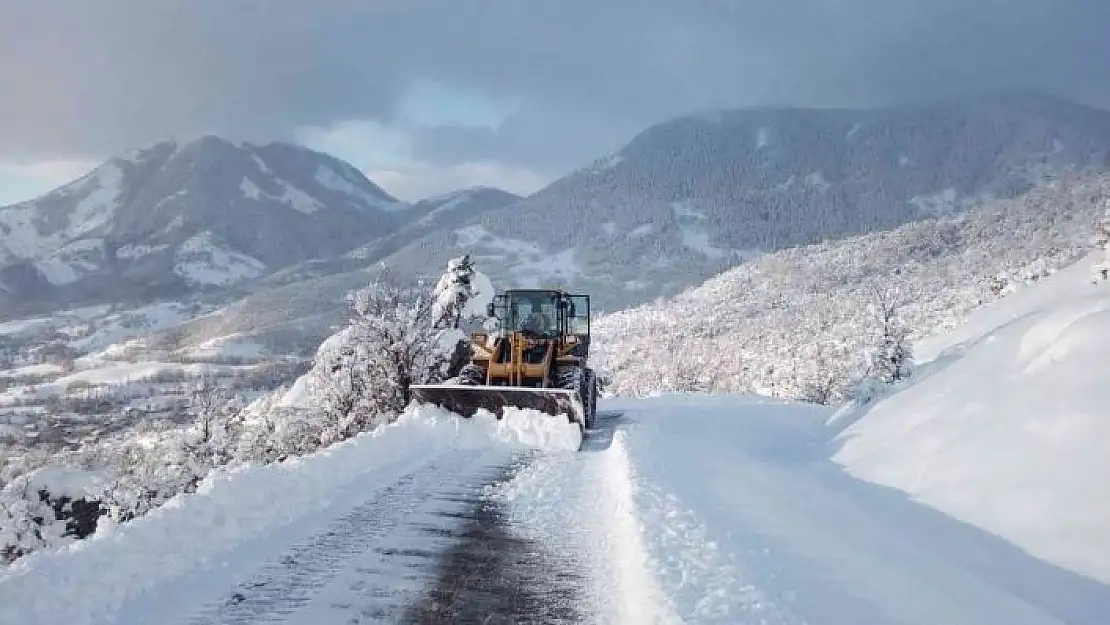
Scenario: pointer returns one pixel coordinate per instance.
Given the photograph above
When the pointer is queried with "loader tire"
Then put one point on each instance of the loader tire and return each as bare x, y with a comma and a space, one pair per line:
591, 393
578, 379
472, 375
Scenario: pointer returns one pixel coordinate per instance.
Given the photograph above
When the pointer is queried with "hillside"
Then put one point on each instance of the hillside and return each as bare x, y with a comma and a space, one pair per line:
175, 218
740, 331
1005, 426
691, 197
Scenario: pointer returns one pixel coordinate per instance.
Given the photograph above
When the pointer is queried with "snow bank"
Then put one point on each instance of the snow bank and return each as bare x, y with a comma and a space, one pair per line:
583, 504
90, 581
743, 518
1007, 427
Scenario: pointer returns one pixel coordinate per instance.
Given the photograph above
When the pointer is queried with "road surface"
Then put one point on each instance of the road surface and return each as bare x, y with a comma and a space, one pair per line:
675, 510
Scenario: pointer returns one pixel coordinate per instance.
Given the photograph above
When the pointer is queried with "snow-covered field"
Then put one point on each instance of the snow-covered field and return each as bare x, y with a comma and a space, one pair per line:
1006, 426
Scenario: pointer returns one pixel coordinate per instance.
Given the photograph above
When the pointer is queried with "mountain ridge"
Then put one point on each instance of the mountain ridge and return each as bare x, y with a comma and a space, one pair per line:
693, 196
175, 218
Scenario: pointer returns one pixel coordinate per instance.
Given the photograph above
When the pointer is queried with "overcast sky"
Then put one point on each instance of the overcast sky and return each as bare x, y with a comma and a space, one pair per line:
427, 95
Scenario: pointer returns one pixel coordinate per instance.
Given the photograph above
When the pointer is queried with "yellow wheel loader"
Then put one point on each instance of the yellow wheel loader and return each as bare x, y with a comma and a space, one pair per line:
537, 358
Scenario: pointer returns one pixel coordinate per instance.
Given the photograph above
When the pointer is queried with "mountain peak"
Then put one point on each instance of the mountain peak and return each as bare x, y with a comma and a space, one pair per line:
186, 214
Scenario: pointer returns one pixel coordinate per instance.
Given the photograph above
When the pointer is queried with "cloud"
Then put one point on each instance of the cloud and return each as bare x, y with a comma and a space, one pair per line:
417, 181
388, 156
540, 86
21, 181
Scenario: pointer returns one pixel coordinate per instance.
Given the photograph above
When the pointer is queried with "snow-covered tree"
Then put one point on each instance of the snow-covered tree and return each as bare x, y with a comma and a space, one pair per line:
461, 296
892, 353
362, 375
1101, 268
211, 440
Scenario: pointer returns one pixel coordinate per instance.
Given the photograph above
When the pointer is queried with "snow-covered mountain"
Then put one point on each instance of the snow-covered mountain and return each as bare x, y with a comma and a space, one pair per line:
440, 213
617, 233
693, 196
177, 217
803, 322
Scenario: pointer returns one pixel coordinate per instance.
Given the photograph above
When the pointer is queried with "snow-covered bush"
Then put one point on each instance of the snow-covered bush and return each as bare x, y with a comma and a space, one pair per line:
364, 372
48, 507
273, 432
116, 479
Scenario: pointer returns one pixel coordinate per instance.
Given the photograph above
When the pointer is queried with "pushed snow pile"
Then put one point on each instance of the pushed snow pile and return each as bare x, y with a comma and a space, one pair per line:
518, 427
240, 508
1008, 427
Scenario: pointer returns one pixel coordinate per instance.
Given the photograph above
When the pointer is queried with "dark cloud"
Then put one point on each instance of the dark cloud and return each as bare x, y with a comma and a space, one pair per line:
89, 78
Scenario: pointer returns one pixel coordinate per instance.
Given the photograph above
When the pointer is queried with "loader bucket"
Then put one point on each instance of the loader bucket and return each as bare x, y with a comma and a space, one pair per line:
465, 400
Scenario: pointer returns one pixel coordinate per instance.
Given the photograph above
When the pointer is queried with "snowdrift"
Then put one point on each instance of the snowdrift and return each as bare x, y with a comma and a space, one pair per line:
1007, 425
240, 506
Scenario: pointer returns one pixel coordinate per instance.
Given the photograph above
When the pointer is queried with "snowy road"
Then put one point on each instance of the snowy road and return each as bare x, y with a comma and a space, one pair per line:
373, 530
676, 510
749, 521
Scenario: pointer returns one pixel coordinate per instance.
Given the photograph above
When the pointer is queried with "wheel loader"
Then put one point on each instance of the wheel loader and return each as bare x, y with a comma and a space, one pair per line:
537, 358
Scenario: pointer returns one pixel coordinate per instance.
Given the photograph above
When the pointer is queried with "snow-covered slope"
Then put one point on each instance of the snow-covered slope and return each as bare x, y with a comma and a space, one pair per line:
800, 322
729, 509
440, 213
1007, 424
691, 197
175, 217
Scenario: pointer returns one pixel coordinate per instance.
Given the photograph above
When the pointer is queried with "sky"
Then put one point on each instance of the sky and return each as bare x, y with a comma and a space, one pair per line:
429, 95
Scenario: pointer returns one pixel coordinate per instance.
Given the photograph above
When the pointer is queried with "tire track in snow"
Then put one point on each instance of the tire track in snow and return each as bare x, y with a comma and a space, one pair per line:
288, 584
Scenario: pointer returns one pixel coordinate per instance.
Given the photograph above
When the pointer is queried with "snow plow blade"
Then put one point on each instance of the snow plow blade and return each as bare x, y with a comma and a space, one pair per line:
466, 400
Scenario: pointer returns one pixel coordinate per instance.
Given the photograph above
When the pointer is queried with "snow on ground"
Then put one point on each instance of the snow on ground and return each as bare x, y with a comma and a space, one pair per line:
201, 260
123, 325
181, 560
583, 505
231, 346
121, 372
1007, 427
42, 369
22, 326
110, 373
249, 189
98, 208
559, 266
677, 509
296, 199
743, 518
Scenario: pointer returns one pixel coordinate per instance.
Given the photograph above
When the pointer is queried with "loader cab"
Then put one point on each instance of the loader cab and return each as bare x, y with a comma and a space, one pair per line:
543, 313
